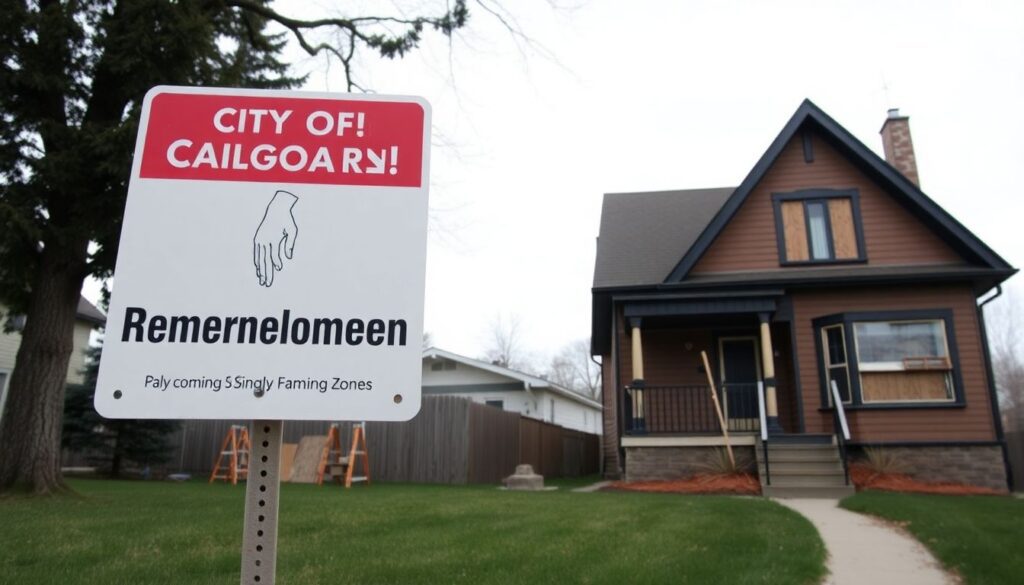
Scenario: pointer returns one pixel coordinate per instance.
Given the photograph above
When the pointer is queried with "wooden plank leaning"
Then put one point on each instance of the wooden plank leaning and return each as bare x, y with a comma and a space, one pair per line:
718, 407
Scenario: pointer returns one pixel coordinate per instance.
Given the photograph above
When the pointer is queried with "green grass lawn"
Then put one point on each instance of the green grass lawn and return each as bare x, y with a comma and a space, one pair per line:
149, 532
980, 537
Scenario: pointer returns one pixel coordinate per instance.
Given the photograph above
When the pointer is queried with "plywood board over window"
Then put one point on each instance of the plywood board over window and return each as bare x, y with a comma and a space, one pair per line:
795, 227
909, 385
844, 236
818, 226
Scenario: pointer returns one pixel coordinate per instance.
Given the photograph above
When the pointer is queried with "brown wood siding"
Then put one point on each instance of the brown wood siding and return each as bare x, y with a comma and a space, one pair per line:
892, 235
970, 423
667, 362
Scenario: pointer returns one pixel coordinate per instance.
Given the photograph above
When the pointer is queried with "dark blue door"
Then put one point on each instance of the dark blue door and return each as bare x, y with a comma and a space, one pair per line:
740, 376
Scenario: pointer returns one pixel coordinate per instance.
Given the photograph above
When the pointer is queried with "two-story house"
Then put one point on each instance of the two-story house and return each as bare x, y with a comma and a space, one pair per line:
826, 273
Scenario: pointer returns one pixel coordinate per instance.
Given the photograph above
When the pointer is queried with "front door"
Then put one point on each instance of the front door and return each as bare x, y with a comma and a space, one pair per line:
740, 373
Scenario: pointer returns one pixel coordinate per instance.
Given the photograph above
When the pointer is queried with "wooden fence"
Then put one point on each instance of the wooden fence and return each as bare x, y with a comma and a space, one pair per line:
452, 441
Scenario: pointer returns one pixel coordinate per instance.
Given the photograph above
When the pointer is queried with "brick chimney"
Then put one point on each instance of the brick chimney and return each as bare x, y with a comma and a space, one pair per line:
899, 149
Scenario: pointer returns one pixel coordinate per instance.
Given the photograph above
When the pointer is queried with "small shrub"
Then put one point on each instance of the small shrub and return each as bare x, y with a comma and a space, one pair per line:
884, 462
717, 462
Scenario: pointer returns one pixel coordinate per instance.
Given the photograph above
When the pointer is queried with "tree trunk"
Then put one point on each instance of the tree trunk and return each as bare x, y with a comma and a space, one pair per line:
31, 424
115, 462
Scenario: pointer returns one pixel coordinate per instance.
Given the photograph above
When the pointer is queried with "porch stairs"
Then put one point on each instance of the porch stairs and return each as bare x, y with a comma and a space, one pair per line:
802, 466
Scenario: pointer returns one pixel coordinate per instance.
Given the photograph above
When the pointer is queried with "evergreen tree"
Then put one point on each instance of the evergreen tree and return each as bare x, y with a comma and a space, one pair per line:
72, 77
110, 444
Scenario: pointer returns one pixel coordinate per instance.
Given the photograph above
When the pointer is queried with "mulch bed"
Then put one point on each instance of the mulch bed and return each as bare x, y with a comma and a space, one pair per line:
866, 479
736, 484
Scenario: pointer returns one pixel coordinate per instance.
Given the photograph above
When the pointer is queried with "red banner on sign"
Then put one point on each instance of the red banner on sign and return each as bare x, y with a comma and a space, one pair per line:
283, 140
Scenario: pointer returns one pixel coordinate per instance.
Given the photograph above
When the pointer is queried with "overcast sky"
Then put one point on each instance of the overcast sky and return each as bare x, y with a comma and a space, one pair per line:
646, 95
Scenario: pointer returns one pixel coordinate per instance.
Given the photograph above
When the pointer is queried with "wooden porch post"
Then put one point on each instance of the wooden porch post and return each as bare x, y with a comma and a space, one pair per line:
638, 352
636, 391
768, 367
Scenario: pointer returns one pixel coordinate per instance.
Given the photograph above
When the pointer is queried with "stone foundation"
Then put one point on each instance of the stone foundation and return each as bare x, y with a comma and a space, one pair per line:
978, 465
660, 463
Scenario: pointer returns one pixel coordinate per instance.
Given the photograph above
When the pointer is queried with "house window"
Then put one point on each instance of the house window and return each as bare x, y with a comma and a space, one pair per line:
442, 365
496, 404
818, 226
890, 359
903, 361
834, 344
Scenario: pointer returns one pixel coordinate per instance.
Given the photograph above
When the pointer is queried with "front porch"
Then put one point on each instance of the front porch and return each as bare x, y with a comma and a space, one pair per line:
664, 386
670, 424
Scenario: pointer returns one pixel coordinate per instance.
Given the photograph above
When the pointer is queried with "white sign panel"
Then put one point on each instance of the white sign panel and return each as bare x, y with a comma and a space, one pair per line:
272, 259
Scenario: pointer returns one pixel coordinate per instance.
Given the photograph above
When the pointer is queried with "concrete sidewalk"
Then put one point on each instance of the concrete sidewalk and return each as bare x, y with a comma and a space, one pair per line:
862, 549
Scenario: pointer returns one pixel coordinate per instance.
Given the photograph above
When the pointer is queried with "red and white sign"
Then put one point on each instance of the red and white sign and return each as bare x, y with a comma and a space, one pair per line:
272, 258
274, 140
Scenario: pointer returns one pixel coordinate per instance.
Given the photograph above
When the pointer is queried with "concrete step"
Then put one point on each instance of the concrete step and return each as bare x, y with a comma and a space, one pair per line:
808, 480
809, 447
798, 467
774, 491
802, 439
802, 456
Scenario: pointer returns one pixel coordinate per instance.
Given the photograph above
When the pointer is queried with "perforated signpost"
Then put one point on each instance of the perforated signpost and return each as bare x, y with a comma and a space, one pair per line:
271, 267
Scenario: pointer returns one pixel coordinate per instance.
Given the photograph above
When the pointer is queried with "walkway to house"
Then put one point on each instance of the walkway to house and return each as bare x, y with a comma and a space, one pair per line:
863, 549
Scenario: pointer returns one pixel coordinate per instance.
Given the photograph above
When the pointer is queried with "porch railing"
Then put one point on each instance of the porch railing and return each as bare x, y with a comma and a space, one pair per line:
689, 409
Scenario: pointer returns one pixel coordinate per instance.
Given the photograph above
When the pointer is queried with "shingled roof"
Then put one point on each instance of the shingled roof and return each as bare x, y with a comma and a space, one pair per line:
88, 312
643, 235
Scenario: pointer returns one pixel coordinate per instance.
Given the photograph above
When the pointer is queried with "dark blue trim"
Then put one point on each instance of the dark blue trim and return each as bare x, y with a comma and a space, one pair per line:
620, 393
728, 306
797, 385
808, 147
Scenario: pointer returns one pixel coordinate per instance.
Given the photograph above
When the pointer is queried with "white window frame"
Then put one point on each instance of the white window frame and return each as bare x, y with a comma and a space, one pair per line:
830, 366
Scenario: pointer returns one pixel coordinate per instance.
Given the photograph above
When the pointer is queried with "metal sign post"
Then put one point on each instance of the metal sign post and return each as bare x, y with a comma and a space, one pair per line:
259, 537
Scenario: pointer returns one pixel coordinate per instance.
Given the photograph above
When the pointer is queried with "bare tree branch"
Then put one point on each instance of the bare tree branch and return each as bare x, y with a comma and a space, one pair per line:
1006, 344
360, 31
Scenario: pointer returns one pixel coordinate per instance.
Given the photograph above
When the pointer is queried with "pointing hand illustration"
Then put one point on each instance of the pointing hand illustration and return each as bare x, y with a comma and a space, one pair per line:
276, 234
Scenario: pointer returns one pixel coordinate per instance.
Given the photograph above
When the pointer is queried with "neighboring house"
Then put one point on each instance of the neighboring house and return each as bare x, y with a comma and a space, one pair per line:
451, 374
88, 318
826, 264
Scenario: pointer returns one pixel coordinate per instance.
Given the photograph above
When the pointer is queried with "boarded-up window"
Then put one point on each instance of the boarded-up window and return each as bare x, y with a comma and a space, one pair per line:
795, 231
903, 361
844, 235
817, 228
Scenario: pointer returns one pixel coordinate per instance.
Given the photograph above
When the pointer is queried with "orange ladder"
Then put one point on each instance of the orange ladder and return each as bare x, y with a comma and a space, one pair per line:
236, 446
333, 464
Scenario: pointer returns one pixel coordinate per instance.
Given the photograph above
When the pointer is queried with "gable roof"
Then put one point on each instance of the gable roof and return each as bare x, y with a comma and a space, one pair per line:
901, 188
642, 234
529, 381
87, 311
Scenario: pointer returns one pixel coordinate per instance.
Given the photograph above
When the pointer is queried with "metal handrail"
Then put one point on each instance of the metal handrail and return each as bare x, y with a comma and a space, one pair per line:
762, 412
841, 427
